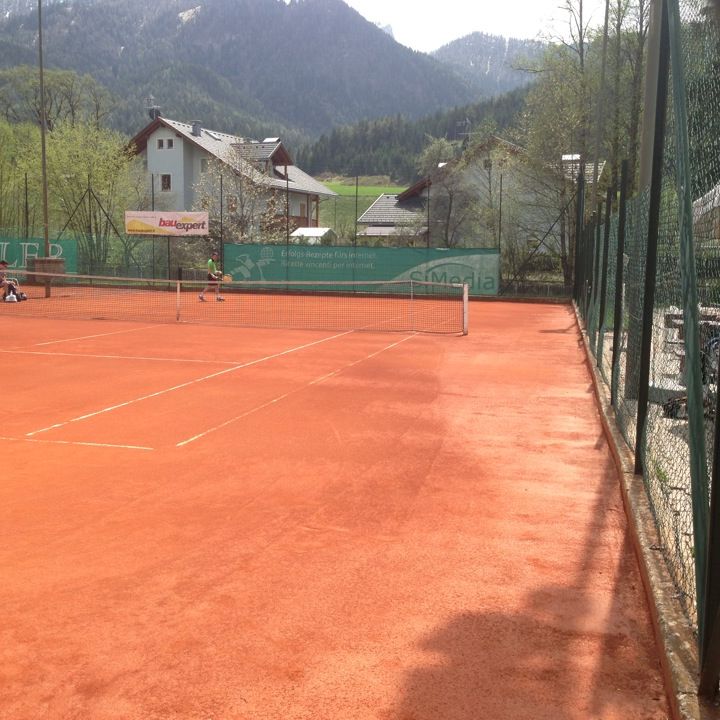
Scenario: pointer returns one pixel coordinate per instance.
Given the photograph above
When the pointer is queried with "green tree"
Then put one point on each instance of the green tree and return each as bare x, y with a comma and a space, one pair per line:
69, 97
92, 179
17, 207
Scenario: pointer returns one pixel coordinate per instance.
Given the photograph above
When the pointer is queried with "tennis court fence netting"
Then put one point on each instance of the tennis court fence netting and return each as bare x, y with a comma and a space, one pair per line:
388, 305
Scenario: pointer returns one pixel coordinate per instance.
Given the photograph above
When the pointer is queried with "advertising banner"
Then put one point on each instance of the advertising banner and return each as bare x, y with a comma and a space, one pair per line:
17, 252
479, 268
166, 223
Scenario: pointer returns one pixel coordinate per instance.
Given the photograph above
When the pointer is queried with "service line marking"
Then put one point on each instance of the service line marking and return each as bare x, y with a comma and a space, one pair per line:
76, 442
316, 381
165, 391
90, 337
119, 357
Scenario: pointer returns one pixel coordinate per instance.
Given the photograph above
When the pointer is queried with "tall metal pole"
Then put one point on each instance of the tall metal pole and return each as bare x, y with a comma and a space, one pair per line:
27, 209
500, 234
619, 281
43, 154
222, 236
604, 277
428, 212
579, 230
599, 121
658, 156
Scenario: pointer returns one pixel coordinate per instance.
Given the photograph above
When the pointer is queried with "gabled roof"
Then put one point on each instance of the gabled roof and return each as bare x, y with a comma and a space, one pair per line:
392, 210
415, 190
300, 180
240, 154
420, 187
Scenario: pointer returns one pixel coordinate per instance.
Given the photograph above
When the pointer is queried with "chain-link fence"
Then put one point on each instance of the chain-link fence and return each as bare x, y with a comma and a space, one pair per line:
648, 290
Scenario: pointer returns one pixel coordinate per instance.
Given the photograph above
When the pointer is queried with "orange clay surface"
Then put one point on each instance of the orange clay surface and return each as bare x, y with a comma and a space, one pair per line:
209, 523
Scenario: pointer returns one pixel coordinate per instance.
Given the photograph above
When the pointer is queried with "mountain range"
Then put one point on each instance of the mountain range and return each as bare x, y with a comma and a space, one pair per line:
294, 68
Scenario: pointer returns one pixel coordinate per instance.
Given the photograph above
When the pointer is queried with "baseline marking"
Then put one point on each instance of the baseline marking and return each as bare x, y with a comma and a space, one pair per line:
186, 384
277, 399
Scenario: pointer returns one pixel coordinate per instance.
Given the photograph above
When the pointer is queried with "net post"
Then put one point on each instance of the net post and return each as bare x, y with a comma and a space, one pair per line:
177, 300
466, 308
412, 306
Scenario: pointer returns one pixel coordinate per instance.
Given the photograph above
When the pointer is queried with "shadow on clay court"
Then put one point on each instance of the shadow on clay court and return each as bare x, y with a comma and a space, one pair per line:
583, 649
560, 331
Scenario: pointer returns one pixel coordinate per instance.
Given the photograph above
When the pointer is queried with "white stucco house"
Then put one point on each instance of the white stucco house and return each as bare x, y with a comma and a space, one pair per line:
176, 154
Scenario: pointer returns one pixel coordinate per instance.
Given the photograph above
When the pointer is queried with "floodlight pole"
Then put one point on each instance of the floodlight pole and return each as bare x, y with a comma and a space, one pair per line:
43, 129
500, 230
429, 183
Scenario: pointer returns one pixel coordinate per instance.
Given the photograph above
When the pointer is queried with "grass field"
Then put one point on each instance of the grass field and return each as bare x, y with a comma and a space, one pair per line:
339, 212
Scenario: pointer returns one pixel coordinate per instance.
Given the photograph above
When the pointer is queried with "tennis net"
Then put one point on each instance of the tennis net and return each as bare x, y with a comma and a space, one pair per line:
394, 305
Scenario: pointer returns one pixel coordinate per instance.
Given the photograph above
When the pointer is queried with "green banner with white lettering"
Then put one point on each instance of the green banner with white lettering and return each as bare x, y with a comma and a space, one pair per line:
17, 252
479, 268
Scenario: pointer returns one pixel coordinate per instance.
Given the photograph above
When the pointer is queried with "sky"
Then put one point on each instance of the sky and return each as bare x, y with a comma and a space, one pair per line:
428, 25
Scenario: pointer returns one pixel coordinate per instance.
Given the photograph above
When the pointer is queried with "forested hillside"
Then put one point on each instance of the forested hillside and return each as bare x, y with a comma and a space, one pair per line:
390, 146
238, 65
341, 93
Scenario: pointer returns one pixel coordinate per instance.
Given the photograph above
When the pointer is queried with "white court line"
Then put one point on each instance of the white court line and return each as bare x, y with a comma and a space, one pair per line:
185, 384
118, 357
90, 337
277, 399
77, 442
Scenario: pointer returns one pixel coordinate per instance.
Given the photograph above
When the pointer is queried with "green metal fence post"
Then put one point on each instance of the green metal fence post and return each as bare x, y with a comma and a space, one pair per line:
619, 283
604, 278
658, 157
579, 229
589, 255
596, 271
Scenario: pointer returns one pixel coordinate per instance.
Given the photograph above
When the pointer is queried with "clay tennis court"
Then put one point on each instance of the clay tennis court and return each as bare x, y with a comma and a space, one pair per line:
208, 522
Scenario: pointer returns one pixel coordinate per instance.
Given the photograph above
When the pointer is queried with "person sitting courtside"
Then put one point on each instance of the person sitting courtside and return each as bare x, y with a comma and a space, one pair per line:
9, 287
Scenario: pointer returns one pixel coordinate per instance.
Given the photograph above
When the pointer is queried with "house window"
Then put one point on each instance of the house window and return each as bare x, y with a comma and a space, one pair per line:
203, 165
165, 183
170, 144
161, 144
303, 210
